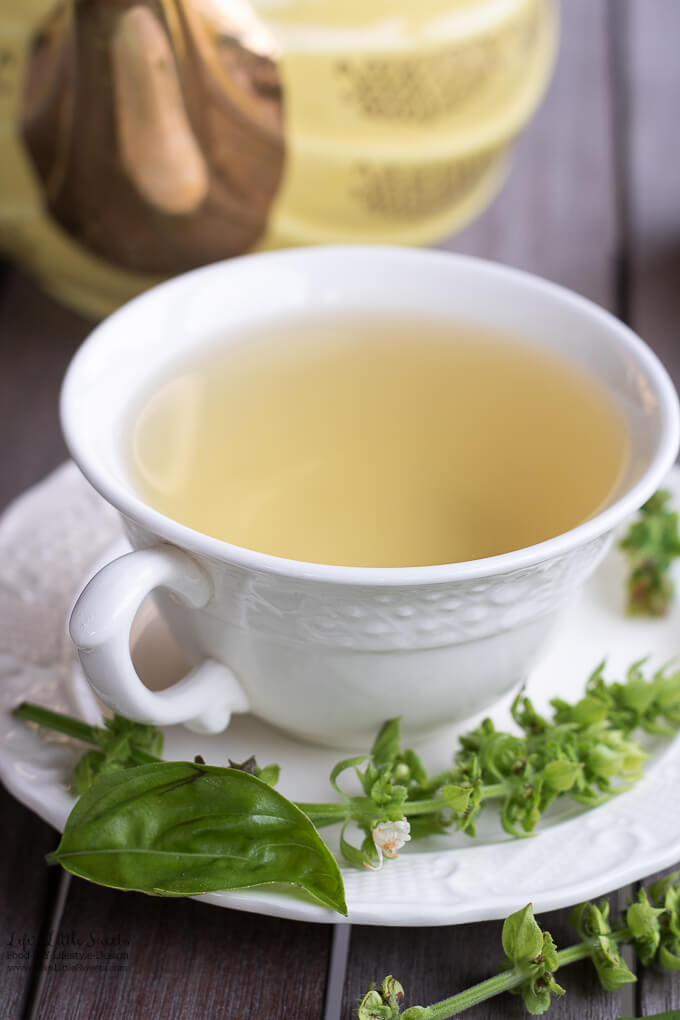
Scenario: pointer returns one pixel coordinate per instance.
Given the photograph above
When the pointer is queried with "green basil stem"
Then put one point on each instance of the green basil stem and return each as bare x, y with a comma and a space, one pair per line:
473, 996
364, 808
66, 724
508, 980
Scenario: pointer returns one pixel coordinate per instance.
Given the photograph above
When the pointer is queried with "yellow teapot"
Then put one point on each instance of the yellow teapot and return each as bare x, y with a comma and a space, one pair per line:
141, 138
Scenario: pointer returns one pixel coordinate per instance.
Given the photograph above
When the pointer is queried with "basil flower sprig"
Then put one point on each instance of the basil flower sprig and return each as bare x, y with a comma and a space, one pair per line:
394, 784
651, 705
651, 925
585, 750
651, 544
118, 744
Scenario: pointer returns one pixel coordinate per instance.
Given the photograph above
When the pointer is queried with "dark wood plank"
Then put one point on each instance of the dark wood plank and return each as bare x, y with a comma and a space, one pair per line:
26, 891
37, 339
555, 217
179, 960
651, 85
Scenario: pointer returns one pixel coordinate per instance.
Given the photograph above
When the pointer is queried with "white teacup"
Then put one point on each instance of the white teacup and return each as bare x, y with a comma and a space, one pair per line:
328, 652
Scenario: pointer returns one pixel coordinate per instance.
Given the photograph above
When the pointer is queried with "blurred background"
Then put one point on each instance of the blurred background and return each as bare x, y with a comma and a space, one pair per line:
147, 137
140, 139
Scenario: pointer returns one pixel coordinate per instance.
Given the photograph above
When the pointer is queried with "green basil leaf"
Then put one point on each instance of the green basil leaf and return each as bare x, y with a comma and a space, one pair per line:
643, 920
415, 766
383, 792
353, 855
388, 743
87, 770
372, 1007
669, 959
142, 735
182, 829
612, 969
536, 997
342, 766
456, 797
392, 992
587, 711
269, 774
522, 939
660, 890
549, 952
121, 743
561, 775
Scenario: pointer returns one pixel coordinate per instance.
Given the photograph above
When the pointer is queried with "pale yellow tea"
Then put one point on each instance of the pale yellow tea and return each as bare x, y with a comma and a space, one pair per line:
366, 443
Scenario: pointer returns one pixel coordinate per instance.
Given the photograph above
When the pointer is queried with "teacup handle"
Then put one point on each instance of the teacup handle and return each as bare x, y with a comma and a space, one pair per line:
100, 628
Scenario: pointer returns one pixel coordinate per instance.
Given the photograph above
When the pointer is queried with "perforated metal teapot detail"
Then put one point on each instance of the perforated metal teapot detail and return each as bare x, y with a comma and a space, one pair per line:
141, 138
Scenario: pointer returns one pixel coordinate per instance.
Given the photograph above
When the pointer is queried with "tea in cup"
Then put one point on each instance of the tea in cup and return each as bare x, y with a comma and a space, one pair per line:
362, 482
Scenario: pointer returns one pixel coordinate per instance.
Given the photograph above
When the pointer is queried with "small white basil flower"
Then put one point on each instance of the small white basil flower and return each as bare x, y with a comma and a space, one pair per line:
389, 837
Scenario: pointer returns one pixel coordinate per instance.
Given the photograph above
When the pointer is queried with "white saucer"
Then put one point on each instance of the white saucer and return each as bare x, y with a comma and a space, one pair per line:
50, 540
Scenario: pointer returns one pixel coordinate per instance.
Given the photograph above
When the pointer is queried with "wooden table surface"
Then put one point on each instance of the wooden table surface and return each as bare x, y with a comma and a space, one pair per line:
593, 202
